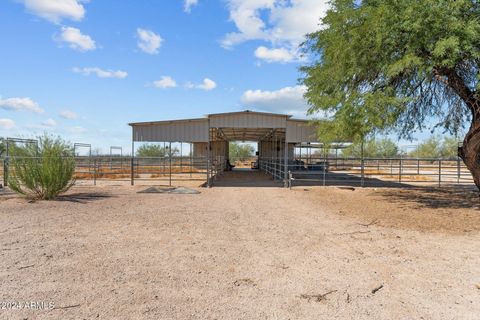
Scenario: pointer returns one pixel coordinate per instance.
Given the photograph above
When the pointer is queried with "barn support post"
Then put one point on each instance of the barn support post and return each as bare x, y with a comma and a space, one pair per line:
285, 160
132, 174
191, 159
170, 163
209, 151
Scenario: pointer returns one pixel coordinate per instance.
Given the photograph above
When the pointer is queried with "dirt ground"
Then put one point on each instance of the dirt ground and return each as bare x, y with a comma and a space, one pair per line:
243, 253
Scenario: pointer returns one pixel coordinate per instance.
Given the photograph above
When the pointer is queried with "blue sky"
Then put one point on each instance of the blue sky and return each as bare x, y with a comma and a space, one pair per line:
84, 69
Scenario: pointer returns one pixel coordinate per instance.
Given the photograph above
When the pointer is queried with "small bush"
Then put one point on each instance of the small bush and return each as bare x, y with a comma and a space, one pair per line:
43, 171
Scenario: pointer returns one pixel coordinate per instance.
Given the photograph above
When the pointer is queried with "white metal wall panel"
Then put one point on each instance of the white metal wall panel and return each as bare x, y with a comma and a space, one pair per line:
301, 131
247, 120
173, 131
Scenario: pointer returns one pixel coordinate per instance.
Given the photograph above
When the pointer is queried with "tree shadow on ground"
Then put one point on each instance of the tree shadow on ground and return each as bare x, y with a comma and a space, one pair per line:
83, 197
453, 197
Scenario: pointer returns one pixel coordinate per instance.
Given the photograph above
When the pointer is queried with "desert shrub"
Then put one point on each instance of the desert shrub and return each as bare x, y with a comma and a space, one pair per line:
43, 171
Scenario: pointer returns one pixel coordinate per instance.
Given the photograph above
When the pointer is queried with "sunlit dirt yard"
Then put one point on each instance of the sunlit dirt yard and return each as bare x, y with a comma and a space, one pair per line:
243, 253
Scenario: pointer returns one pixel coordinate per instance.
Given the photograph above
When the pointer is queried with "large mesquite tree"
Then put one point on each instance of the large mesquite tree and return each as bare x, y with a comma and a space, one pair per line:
403, 65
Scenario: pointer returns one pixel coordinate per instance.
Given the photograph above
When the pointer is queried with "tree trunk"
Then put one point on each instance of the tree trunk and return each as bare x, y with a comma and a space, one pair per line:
470, 152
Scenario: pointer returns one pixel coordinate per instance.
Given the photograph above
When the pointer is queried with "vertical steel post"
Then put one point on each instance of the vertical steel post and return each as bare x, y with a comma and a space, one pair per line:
400, 171
191, 159
181, 157
5, 172
324, 164
95, 172
285, 160
170, 162
336, 157
458, 170
209, 146
132, 175
362, 170
439, 172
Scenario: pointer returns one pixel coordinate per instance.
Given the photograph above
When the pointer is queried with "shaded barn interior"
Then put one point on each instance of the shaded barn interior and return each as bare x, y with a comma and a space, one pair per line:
276, 136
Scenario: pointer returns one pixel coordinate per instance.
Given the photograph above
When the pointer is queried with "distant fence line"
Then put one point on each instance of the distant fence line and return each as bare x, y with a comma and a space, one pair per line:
318, 170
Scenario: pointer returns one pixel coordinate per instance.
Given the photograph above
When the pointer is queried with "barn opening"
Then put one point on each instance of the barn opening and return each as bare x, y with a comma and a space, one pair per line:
275, 135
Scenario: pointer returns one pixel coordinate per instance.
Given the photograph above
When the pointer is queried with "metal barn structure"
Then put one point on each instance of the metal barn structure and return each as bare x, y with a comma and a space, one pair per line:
276, 135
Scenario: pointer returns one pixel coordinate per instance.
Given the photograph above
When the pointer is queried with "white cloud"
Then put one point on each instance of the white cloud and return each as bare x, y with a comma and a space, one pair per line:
279, 22
49, 123
101, 73
76, 39
286, 100
78, 130
56, 10
67, 114
20, 104
274, 55
165, 82
7, 124
207, 85
148, 41
188, 4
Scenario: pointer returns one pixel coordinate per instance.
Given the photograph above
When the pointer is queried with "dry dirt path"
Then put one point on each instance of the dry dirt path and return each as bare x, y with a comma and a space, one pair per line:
229, 253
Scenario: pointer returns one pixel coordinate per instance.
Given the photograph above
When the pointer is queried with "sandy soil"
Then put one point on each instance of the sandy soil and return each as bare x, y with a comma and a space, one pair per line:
243, 253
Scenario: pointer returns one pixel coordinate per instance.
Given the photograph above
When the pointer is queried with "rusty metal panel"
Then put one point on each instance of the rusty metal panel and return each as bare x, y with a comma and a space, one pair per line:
301, 131
247, 120
172, 131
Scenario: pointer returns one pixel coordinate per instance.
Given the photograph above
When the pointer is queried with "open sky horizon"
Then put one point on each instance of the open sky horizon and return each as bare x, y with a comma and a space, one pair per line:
84, 69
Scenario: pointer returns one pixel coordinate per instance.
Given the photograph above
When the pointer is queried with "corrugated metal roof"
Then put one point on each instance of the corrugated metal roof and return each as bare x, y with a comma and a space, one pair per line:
241, 125
289, 117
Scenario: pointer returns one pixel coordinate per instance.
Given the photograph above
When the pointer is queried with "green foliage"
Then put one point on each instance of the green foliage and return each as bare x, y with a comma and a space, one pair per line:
435, 147
155, 151
240, 152
384, 65
42, 172
372, 148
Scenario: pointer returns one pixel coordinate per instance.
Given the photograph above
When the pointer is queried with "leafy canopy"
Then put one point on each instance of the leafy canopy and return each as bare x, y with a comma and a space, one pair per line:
383, 65
239, 151
372, 148
154, 151
435, 147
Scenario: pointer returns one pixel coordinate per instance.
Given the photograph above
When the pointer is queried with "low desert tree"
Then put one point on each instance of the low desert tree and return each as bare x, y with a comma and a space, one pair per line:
43, 171
154, 151
429, 148
435, 147
449, 148
239, 151
372, 148
386, 65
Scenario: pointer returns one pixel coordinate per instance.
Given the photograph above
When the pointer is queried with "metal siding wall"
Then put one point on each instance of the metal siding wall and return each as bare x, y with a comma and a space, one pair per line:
182, 131
246, 120
301, 132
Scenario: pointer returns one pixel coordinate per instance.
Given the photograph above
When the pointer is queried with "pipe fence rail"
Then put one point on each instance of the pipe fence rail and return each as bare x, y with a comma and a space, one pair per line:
378, 171
319, 170
90, 169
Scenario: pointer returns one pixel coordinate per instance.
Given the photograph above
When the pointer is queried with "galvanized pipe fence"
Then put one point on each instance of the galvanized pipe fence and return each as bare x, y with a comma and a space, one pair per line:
319, 170
90, 169
378, 171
